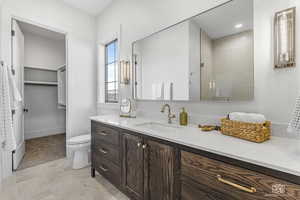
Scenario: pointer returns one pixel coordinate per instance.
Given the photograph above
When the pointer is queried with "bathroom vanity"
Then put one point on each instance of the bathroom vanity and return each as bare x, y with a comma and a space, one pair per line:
156, 161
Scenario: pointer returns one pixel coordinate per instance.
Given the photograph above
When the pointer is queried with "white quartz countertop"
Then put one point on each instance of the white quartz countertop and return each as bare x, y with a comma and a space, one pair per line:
278, 153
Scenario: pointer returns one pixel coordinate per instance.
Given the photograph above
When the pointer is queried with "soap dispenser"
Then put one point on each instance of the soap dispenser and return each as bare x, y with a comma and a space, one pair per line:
183, 117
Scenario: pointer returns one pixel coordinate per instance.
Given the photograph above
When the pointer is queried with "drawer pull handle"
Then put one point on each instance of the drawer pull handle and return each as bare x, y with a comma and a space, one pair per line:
245, 189
144, 146
103, 133
139, 144
103, 169
103, 151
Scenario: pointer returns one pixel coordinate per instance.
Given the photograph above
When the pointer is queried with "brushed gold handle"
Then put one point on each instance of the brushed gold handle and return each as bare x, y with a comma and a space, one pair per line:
144, 146
103, 169
245, 189
139, 144
103, 151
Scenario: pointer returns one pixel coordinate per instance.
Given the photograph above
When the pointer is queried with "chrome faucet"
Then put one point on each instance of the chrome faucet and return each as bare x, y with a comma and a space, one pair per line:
170, 116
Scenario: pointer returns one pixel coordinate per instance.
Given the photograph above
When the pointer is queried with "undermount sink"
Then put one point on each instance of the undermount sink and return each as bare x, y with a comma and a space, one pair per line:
158, 126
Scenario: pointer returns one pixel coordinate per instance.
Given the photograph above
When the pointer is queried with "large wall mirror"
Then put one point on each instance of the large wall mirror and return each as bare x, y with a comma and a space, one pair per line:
207, 57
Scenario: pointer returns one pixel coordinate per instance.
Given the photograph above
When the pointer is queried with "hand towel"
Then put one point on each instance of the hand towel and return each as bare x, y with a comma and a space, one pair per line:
294, 125
15, 94
7, 137
247, 117
168, 90
157, 91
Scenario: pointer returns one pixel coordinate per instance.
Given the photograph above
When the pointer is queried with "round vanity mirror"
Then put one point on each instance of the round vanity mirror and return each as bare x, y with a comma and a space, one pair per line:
125, 106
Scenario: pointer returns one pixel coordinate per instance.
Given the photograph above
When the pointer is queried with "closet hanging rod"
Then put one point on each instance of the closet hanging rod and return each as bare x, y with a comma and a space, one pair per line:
41, 83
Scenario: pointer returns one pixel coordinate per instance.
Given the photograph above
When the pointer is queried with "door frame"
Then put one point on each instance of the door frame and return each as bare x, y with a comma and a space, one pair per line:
20, 19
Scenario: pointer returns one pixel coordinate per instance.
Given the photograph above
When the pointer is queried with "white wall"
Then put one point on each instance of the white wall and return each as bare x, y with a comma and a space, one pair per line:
1, 151
80, 29
275, 90
172, 56
44, 118
139, 18
44, 52
164, 60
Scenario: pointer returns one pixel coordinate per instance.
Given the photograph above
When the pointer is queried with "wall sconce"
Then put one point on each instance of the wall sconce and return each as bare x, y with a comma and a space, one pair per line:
125, 72
284, 38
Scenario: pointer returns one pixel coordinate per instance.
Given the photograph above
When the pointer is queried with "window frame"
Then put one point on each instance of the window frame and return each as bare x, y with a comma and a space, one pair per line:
106, 64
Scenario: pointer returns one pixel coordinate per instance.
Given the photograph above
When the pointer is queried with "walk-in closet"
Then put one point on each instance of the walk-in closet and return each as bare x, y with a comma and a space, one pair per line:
40, 56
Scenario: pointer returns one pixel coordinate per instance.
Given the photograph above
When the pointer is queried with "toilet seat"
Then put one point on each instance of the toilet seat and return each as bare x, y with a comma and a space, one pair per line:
82, 139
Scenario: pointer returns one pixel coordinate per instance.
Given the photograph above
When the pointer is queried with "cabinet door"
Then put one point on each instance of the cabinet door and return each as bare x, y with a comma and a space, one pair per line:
133, 166
159, 171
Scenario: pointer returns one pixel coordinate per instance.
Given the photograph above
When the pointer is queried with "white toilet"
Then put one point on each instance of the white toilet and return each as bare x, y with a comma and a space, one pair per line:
79, 150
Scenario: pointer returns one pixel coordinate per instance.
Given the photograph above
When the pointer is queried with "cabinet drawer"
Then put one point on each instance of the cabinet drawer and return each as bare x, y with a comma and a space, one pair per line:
107, 151
191, 190
109, 170
236, 182
105, 133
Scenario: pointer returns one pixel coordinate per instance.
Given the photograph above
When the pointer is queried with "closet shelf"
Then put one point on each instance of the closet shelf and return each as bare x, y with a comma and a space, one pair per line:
40, 83
39, 69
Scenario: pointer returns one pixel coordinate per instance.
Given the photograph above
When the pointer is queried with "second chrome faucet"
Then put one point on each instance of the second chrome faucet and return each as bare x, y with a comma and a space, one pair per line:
170, 115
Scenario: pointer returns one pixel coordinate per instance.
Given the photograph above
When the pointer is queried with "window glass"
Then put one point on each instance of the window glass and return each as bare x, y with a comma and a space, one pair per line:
111, 73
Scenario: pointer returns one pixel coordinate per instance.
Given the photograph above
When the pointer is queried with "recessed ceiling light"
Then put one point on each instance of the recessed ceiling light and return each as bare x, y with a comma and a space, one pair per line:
238, 26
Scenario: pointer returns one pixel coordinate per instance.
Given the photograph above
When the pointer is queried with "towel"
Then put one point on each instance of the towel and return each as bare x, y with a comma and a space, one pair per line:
15, 94
168, 90
294, 125
7, 137
157, 91
154, 91
247, 117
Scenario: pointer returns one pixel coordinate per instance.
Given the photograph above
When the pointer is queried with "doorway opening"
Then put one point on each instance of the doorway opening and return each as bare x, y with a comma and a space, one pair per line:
39, 66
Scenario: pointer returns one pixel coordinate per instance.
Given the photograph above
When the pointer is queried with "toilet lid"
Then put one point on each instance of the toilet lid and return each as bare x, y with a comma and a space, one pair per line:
80, 139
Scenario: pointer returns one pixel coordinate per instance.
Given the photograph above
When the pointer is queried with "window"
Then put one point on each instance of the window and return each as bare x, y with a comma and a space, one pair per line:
111, 72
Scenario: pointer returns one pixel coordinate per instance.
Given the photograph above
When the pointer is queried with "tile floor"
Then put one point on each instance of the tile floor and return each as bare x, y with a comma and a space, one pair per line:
44, 149
57, 181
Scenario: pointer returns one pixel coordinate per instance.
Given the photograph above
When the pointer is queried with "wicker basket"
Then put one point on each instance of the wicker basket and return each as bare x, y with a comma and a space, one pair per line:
255, 132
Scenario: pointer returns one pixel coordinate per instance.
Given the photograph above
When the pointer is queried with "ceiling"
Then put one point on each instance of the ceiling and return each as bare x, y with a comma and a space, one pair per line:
93, 7
29, 28
221, 21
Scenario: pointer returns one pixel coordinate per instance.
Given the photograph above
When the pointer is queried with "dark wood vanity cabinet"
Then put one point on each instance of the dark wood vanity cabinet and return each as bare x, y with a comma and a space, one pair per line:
143, 169
133, 166
218, 180
160, 171
146, 168
105, 153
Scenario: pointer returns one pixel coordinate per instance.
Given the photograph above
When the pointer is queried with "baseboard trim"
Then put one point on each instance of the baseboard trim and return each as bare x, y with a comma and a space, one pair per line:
43, 133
